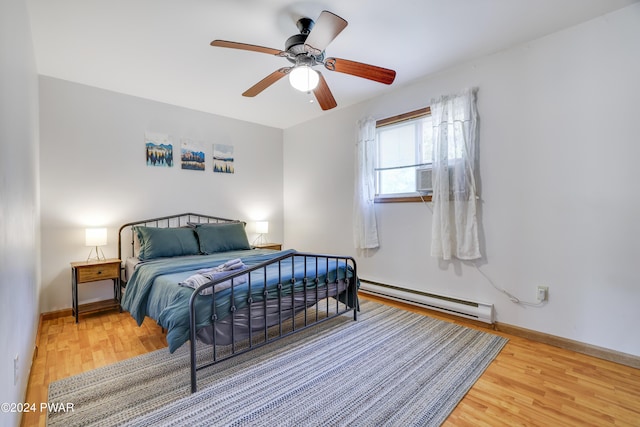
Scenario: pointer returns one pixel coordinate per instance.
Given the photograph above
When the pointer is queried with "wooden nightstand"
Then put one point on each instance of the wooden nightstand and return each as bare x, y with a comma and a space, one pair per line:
93, 271
275, 246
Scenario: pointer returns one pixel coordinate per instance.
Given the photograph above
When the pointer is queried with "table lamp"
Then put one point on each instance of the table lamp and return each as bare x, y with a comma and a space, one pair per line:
262, 228
96, 237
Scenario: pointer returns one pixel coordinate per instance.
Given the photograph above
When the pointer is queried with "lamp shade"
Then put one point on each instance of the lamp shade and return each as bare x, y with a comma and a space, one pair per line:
304, 78
96, 236
262, 227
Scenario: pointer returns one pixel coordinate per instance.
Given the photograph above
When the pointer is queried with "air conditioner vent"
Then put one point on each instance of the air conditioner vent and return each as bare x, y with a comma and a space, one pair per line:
424, 182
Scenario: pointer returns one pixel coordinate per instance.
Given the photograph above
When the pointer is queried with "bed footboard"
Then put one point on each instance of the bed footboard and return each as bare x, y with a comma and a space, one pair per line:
273, 300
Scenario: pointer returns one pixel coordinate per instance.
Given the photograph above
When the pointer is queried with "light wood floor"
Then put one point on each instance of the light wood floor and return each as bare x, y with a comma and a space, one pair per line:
528, 384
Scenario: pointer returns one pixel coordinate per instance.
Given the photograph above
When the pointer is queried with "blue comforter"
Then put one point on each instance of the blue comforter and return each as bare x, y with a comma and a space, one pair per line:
153, 288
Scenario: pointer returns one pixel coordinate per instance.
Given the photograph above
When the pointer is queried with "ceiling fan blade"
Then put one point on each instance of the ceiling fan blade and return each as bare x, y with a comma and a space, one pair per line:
323, 95
244, 46
358, 69
326, 29
266, 82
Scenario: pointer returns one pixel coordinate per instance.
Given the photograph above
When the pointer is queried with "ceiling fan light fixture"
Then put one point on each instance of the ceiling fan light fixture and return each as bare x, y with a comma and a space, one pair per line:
304, 78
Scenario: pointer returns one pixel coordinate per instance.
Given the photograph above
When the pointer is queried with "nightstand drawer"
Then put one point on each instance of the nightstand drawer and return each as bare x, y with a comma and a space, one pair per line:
92, 273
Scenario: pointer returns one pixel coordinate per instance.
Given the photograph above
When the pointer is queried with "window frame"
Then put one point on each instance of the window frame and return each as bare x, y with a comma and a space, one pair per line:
411, 115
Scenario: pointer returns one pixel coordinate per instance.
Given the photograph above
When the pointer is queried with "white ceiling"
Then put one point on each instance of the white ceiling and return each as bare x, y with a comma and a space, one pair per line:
159, 49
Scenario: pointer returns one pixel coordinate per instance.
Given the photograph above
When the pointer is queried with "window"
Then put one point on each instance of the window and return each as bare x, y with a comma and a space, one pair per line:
403, 157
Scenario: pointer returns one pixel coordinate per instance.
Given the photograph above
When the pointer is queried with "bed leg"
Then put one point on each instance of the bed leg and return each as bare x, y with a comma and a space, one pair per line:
194, 384
192, 342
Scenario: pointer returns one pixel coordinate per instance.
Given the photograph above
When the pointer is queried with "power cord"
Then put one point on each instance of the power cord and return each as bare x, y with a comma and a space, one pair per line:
514, 299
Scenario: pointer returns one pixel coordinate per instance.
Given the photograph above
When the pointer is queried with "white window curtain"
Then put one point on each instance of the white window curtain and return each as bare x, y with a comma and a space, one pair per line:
365, 230
455, 141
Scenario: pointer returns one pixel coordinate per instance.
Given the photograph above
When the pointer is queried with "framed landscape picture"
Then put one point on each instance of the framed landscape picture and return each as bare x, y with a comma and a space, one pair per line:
192, 155
159, 150
223, 158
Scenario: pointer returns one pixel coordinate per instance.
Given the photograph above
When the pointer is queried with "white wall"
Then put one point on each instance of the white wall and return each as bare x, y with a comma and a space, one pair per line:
19, 227
94, 173
558, 172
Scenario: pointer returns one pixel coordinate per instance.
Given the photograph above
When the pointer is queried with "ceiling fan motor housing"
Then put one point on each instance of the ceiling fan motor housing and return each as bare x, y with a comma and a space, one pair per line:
295, 44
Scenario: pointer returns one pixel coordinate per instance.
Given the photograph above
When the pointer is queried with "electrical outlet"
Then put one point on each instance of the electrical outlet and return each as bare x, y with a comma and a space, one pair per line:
543, 293
15, 369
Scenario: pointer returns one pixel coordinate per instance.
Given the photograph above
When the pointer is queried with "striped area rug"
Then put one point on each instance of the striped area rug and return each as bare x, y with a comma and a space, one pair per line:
391, 367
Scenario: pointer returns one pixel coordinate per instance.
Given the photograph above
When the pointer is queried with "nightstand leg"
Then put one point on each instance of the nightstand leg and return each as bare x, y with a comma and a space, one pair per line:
74, 292
117, 292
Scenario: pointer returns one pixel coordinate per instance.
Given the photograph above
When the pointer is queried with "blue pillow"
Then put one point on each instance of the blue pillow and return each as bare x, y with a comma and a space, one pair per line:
222, 237
166, 242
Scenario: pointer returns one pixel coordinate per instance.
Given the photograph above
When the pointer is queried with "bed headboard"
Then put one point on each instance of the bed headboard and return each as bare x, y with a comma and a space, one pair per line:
126, 235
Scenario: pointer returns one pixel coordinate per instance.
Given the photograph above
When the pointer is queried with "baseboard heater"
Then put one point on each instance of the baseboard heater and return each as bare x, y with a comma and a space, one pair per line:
469, 309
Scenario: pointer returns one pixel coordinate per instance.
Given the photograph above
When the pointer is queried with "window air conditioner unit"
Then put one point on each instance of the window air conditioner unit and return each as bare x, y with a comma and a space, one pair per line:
424, 182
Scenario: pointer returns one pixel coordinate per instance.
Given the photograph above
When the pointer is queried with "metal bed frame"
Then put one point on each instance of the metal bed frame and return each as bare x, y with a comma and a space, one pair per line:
293, 308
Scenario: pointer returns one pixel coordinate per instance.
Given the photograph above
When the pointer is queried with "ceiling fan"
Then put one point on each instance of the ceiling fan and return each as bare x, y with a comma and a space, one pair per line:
306, 50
